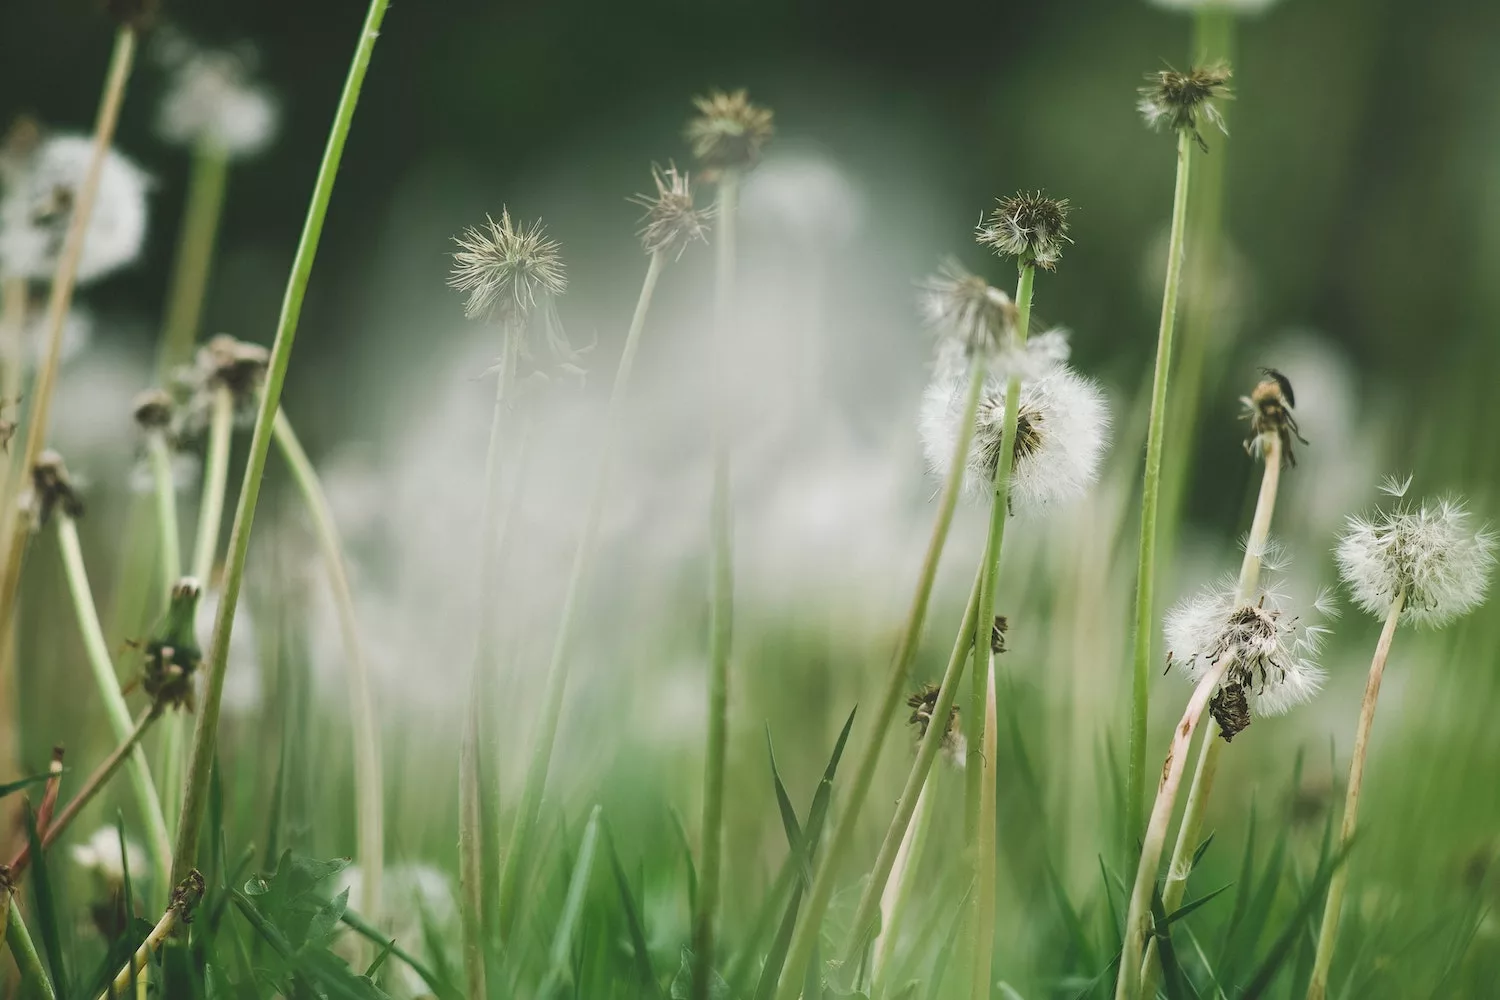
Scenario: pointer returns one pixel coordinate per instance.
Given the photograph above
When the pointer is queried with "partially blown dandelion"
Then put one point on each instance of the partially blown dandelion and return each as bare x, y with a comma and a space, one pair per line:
1029, 227
213, 101
671, 221
965, 309
729, 131
505, 268
1181, 101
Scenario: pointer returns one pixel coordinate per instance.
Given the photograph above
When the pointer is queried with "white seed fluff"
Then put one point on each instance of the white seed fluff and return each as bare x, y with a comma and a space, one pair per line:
1274, 651
40, 193
101, 856
1429, 552
213, 101
1061, 431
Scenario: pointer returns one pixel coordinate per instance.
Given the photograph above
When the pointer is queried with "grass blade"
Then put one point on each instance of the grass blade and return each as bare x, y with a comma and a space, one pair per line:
633, 921
46, 908
562, 941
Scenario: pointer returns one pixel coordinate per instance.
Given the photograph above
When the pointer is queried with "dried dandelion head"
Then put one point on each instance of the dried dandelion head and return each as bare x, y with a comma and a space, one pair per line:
51, 490
671, 221
1028, 226
964, 309
222, 362
172, 654
506, 268
728, 131
1181, 101
1269, 410
922, 704
154, 410
1272, 653
1430, 554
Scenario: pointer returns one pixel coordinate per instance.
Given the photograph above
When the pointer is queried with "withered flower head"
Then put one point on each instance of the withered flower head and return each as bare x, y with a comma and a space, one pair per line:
1028, 226
505, 268
51, 490
922, 703
1178, 100
153, 410
223, 362
729, 131
671, 221
1269, 410
172, 653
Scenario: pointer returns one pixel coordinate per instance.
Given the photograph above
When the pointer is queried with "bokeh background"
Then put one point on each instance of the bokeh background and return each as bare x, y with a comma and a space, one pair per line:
1362, 228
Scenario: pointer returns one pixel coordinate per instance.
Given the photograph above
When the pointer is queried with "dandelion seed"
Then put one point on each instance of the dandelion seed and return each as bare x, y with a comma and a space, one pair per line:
1028, 226
1429, 553
954, 746
213, 102
1179, 100
963, 308
506, 268
1274, 666
729, 131
1269, 410
1391, 486
671, 221
41, 185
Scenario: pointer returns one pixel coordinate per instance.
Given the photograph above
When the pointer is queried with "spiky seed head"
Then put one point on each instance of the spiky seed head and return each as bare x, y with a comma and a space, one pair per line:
1430, 553
1181, 101
52, 489
1028, 226
963, 308
671, 221
153, 410
1269, 410
728, 131
172, 655
505, 268
922, 704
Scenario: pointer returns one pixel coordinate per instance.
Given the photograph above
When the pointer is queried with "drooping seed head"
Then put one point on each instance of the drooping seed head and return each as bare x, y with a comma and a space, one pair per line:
1430, 554
671, 221
963, 308
1028, 226
728, 132
1269, 410
506, 268
1181, 101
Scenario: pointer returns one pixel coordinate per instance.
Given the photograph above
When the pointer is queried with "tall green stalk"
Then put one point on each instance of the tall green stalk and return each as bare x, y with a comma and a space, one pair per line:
805, 938
159, 454
721, 626
1145, 580
195, 799
28, 961
368, 784
106, 680
562, 647
195, 254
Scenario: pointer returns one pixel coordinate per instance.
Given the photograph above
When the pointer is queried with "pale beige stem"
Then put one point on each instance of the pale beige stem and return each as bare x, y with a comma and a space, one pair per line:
186, 896
897, 894
1317, 987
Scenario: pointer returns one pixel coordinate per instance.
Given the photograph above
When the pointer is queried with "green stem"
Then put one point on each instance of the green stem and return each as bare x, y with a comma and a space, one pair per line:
805, 939
1150, 492
368, 787
562, 647
205, 736
28, 961
120, 723
215, 481
160, 455
195, 254
721, 531
1317, 987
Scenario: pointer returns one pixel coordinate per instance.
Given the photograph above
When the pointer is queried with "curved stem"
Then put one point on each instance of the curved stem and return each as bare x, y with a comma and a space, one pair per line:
808, 928
215, 481
205, 736
368, 787
1150, 490
1317, 987
1138, 918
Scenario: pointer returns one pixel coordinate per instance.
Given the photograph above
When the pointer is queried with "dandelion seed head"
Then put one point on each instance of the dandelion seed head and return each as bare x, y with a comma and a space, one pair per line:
42, 185
505, 268
728, 132
1028, 226
52, 489
213, 101
963, 308
1429, 552
101, 855
671, 220
222, 362
1181, 101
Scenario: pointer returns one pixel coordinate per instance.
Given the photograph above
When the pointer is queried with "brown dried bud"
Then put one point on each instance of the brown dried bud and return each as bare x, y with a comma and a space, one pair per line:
153, 410
52, 489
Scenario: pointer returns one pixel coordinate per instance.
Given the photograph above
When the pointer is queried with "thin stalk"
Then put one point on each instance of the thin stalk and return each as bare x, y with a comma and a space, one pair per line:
471, 852
721, 590
1150, 490
1208, 754
1317, 987
13, 295
184, 898
215, 482
368, 787
1138, 918
562, 646
105, 679
205, 736
23, 948
61, 297
805, 939
195, 254
981, 766
897, 894
160, 456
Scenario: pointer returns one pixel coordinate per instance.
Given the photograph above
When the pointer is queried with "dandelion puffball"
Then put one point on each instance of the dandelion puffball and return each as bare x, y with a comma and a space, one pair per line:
1061, 428
213, 102
101, 855
1429, 553
41, 190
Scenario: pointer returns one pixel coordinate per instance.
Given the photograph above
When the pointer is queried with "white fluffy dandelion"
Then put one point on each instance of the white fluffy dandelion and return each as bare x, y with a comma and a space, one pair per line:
40, 191
962, 308
101, 856
213, 101
1430, 555
1274, 652
1061, 428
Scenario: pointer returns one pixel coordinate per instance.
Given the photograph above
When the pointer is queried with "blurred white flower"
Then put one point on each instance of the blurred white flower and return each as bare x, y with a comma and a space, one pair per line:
213, 101
243, 691
963, 309
806, 194
77, 332
100, 855
1429, 553
186, 468
41, 189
